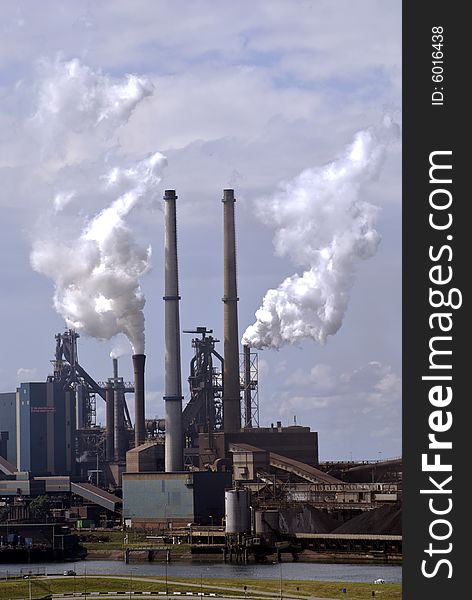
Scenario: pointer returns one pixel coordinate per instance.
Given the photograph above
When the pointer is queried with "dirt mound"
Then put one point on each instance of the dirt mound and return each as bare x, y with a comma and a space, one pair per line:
386, 520
305, 519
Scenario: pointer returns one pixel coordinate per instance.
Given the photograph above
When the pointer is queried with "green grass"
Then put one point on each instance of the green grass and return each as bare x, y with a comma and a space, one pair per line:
12, 590
110, 540
113, 540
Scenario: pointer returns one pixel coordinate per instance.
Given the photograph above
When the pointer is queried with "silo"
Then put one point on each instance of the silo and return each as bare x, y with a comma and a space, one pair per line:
237, 511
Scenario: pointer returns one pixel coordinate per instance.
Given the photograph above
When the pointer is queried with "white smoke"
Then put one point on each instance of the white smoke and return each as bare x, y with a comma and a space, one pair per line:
77, 108
325, 227
119, 349
96, 270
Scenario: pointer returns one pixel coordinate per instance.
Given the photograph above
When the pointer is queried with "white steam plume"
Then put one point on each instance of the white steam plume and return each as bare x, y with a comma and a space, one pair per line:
95, 271
325, 227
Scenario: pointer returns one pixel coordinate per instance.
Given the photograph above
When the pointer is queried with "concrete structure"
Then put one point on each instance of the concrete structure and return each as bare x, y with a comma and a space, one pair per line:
8, 426
145, 458
231, 384
295, 442
139, 361
55, 485
246, 463
161, 499
45, 434
173, 382
266, 525
21, 484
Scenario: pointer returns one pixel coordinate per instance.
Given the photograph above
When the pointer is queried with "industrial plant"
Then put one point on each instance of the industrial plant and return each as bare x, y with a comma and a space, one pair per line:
206, 473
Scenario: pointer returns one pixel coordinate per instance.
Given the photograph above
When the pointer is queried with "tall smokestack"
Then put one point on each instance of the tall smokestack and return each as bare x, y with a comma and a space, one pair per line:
139, 428
231, 386
110, 421
115, 368
173, 383
247, 386
119, 419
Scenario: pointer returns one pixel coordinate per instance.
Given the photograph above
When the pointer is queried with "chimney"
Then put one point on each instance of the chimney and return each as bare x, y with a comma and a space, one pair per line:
110, 422
247, 386
139, 427
173, 383
119, 416
231, 385
115, 368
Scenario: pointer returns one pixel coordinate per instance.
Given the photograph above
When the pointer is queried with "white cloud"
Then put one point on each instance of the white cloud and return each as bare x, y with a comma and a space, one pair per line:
246, 94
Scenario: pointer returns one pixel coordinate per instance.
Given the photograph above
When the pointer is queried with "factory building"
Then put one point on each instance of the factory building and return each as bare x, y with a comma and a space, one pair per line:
296, 442
8, 427
45, 429
170, 500
175, 469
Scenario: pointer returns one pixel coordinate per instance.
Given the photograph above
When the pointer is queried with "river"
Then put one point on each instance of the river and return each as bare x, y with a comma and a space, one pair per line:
288, 570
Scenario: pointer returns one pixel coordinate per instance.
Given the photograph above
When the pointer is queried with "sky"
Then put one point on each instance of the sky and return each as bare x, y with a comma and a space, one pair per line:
294, 104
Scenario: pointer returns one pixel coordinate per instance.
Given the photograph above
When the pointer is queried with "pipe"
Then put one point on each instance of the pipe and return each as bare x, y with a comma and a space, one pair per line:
110, 422
231, 384
119, 430
247, 386
115, 368
173, 383
139, 426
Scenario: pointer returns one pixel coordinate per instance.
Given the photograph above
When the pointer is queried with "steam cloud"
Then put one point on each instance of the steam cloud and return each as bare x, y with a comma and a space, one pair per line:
95, 270
325, 227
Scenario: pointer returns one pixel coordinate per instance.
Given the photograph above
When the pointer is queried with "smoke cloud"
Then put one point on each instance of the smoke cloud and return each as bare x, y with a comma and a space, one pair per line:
325, 227
97, 266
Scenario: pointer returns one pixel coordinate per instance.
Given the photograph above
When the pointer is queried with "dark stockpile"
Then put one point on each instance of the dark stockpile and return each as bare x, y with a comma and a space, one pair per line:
305, 519
386, 520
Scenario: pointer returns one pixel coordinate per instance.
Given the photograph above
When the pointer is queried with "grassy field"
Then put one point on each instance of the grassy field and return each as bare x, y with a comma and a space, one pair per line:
108, 540
11, 590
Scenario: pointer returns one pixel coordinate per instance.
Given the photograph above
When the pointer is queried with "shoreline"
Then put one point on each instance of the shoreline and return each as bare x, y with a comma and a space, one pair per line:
304, 557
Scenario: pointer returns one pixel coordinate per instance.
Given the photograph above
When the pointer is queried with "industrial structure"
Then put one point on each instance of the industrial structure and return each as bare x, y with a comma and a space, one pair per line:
208, 463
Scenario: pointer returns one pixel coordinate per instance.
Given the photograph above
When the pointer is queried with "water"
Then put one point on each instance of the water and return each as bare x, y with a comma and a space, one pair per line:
299, 571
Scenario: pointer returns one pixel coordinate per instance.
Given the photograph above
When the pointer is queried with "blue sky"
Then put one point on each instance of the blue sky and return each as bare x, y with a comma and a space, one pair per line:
246, 95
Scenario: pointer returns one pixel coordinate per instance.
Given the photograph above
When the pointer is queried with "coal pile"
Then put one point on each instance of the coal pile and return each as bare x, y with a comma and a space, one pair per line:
305, 519
386, 520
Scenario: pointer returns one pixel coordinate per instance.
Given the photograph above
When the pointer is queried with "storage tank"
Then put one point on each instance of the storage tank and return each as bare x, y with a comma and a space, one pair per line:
237, 511
266, 524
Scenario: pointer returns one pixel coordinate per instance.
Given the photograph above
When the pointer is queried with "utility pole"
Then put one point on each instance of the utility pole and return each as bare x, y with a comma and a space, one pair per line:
281, 592
167, 589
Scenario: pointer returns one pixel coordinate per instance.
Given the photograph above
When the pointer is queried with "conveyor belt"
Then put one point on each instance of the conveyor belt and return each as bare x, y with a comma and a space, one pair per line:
306, 472
96, 495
